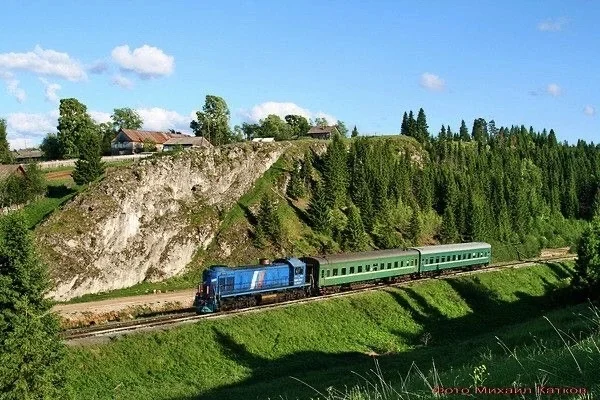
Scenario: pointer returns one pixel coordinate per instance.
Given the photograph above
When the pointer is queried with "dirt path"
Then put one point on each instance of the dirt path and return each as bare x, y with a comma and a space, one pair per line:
96, 312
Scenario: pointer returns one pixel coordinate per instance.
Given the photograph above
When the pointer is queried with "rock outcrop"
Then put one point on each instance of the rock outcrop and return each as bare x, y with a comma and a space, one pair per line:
147, 221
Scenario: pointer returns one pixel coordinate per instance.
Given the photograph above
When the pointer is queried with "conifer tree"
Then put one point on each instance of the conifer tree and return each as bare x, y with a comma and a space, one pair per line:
268, 225
404, 126
587, 265
464, 132
89, 166
295, 188
354, 132
306, 172
6, 156
411, 125
442, 134
415, 225
318, 209
31, 354
336, 172
422, 133
449, 133
354, 236
449, 232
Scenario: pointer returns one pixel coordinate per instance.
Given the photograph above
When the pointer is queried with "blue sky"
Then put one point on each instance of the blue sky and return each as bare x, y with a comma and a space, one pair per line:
365, 63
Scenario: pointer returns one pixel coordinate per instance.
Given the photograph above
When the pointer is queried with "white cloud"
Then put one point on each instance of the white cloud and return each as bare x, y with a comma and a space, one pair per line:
99, 117
12, 86
589, 110
159, 119
261, 111
553, 89
25, 124
50, 90
146, 61
44, 62
121, 81
432, 82
21, 143
551, 25
99, 67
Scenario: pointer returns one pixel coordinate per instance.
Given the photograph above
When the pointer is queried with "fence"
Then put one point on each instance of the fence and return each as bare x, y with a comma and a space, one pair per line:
107, 159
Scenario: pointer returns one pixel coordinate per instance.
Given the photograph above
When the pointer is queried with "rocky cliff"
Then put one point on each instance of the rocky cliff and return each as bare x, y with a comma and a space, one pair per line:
147, 221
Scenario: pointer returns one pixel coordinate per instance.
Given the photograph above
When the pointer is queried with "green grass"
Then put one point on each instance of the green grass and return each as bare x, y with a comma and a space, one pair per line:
321, 343
57, 195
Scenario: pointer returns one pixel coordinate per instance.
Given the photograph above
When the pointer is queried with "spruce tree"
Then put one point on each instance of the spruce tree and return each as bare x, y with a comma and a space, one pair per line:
306, 172
415, 226
31, 353
587, 265
318, 209
336, 172
449, 232
354, 132
295, 188
411, 125
89, 166
442, 134
354, 237
464, 132
421, 126
268, 223
404, 126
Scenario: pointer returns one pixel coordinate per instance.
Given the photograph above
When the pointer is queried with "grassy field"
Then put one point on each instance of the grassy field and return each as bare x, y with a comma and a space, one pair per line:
451, 322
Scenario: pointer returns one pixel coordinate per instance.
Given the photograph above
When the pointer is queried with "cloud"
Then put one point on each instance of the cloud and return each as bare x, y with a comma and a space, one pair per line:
121, 81
261, 111
589, 110
146, 61
44, 62
432, 82
12, 86
551, 25
553, 89
99, 116
98, 68
159, 119
50, 90
25, 124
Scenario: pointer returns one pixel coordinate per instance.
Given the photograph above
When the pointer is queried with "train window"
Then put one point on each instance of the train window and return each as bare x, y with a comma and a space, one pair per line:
298, 270
389, 265
454, 257
437, 260
431, 260
322, 273
459, 257
328, 273
343, 271
443, 259
368, 267
335, 272
469, 255
402, 264
359, 268
375, 265
351, 270
395, 264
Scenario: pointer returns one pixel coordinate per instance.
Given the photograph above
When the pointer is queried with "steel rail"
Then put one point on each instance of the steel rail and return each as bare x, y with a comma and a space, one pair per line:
119, 328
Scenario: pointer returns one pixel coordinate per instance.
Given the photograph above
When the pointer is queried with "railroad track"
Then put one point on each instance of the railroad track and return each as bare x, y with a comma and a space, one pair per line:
151, 323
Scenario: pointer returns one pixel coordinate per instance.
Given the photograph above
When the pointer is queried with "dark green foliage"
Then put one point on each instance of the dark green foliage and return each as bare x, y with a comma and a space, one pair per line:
6, 156
74, 126
384, 232
404, 126
273, 126
480, 131
335, 172
213, 121
306, 171
31, 354
298, 124
449, 232
354, 237
318, 209
89, 166
341, 127
268, 226
415, 226
17, 189
354, 132
35, 184
295, 188
587, 265
422, 133
464, 131
51, 147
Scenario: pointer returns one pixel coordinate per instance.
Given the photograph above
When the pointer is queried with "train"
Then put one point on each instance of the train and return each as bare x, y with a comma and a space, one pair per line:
226, 288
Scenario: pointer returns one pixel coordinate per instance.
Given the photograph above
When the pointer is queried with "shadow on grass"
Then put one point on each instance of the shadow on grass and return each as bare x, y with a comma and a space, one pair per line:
58, 191
274, 379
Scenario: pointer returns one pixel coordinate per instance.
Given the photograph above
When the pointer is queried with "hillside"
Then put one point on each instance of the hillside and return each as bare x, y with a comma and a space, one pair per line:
147, 222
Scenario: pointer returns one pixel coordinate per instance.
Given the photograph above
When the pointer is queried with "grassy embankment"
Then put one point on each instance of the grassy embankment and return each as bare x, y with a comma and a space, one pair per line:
455, 323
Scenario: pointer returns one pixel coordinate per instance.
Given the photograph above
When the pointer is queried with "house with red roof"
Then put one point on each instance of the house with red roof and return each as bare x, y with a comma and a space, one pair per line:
131, 141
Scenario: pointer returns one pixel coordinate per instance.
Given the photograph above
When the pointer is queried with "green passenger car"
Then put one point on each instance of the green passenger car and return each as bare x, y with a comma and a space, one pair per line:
448, 256
345, 269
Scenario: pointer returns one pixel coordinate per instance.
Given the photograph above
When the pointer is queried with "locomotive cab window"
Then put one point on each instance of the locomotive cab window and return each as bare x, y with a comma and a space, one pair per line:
298, 271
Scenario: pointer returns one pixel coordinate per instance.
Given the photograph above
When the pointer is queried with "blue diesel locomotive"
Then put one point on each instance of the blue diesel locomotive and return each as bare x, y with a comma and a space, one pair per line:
224, 288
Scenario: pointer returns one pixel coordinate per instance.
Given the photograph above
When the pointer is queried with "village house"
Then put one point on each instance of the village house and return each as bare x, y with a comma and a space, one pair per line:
28, 156
7, 170
186, 142
131, 141
322, 132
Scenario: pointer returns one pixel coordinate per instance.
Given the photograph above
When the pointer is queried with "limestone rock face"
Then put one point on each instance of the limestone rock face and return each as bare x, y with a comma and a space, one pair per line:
146, 222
